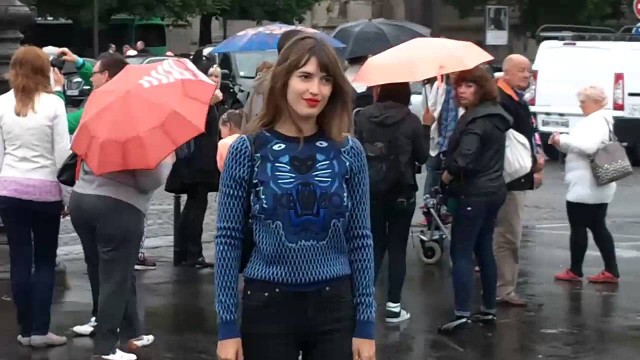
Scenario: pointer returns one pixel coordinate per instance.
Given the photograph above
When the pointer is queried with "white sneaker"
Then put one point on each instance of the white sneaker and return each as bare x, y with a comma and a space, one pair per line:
395, 313
86, 329
117, 355
25, 341
51, 339
140, 342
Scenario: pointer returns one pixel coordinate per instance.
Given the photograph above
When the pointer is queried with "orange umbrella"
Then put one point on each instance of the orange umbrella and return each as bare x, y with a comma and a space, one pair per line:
142, 115
419, 59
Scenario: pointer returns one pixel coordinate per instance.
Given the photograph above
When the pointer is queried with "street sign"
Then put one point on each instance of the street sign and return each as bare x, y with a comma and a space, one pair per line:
496, 22
636, 8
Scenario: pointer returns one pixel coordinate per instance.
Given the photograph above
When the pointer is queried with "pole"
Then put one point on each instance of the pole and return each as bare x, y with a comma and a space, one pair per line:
13, 15
96, 23
177, 209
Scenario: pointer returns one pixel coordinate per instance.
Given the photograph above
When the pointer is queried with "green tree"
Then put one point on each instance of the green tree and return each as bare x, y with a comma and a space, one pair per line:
285, 11
82, 10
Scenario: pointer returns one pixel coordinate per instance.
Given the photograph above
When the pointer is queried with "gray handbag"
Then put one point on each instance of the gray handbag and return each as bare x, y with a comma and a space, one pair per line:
610, 163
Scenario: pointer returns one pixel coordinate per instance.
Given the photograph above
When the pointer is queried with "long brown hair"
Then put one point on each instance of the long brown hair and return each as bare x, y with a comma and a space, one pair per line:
487, 89
29, 75
335, 119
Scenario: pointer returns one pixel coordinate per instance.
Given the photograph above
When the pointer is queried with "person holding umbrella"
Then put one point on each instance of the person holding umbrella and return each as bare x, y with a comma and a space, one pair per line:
126, 155
301, 185
108, 213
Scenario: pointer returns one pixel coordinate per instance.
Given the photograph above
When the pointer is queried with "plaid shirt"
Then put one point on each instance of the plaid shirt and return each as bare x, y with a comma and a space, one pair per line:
448, 119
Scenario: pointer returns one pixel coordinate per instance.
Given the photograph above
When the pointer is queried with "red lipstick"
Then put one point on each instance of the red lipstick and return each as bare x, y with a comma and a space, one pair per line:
311, 102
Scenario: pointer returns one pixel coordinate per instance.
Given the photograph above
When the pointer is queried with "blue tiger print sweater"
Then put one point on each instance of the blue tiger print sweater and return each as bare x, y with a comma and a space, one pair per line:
310, 215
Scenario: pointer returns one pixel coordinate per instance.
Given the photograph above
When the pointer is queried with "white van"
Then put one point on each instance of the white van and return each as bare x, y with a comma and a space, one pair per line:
563, 67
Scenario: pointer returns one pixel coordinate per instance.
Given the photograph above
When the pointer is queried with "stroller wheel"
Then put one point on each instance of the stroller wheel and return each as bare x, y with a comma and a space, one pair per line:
429, 252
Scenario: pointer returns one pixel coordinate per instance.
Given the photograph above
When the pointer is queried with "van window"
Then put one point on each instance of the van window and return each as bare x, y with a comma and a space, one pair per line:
247, 62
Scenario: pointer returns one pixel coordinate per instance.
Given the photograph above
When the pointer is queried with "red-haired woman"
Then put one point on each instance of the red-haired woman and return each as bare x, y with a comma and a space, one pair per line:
473, 176
34, 142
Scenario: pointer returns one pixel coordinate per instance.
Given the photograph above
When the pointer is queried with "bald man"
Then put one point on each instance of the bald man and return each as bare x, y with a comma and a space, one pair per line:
508, 232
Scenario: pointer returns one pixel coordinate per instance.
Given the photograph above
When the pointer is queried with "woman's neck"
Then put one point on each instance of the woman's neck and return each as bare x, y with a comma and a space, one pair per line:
288, 127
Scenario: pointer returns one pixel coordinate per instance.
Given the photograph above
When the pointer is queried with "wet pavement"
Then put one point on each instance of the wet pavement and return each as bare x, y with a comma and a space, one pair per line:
562, 321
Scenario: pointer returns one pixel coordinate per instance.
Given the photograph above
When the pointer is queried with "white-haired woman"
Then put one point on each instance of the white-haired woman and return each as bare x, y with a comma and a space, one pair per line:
586, 201
214, 73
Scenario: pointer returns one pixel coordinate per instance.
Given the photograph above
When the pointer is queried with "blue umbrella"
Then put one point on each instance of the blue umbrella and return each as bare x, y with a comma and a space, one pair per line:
264, 38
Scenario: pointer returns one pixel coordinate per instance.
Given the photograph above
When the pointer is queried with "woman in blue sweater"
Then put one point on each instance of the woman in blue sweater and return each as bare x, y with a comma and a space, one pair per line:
303, 185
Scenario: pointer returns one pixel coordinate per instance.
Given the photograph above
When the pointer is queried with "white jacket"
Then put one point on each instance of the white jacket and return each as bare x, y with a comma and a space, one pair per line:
580, 144
34, 146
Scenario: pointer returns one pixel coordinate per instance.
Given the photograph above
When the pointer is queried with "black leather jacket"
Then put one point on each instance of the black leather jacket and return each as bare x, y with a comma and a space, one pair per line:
475, 157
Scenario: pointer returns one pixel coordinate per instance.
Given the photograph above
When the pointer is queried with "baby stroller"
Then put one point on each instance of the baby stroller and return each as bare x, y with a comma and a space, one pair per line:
430, 240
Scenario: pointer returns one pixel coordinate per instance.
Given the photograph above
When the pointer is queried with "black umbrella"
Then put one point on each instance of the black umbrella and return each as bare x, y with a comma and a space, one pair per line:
370, 37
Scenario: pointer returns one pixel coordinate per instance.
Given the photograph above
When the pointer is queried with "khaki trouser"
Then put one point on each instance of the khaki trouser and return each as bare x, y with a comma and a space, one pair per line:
506, 241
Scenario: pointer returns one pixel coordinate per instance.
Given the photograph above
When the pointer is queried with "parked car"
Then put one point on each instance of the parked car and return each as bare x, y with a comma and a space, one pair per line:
75, 89
143, 60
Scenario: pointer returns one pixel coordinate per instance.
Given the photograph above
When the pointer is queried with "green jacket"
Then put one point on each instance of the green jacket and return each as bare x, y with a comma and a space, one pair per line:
85, 71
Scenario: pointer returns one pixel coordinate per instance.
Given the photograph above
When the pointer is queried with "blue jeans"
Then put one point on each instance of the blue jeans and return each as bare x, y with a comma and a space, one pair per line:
32, 231
433, 174
472, 233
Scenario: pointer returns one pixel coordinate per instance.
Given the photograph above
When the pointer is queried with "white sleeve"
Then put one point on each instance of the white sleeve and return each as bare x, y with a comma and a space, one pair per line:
61, 138
1, 144
586, 138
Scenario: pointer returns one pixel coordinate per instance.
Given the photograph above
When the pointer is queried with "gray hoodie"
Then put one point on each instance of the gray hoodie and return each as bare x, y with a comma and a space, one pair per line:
135, 187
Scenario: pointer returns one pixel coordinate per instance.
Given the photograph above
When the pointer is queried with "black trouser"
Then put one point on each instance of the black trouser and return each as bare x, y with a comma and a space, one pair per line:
190, 226
32, 231
390, 226
278, 324
110, 232
592, 217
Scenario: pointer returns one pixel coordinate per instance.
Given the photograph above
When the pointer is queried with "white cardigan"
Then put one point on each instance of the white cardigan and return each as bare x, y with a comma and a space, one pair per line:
582, 142
35, 146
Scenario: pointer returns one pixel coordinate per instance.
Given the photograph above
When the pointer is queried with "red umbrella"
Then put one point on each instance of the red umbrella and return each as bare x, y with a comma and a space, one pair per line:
143, 114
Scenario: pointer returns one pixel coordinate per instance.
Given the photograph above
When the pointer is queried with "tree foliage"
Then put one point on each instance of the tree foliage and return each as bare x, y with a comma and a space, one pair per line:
535, 13
82, 10
285, 11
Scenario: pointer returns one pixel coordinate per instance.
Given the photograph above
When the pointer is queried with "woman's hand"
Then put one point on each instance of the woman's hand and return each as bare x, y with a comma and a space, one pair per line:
230, 349
217, 97
428, 118
540, 161
555, 139
58, 79
364, 349
446, 178
67, 55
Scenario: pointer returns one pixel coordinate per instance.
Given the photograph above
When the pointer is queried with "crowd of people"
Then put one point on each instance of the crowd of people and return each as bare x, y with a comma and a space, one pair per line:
311, 199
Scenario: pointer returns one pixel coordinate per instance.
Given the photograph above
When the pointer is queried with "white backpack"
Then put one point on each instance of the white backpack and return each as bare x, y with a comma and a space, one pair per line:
517, 156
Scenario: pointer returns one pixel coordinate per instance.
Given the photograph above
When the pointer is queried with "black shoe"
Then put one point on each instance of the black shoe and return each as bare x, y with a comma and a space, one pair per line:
198, 263
484, 317
460, 322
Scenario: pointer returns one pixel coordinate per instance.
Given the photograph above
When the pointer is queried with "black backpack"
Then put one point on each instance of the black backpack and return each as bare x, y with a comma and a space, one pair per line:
383, 155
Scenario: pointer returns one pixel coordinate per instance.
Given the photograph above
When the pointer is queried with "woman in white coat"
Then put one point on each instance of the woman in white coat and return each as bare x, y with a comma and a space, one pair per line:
586, 201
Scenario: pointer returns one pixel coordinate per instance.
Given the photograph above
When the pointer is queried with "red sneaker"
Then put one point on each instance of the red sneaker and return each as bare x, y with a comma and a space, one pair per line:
604, 277
568, 275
